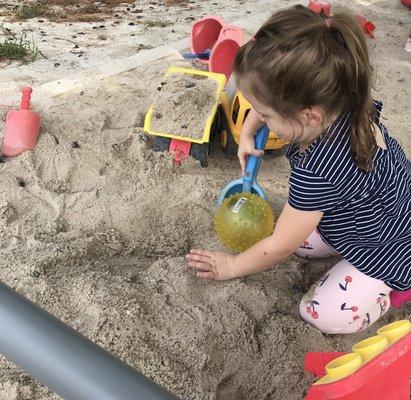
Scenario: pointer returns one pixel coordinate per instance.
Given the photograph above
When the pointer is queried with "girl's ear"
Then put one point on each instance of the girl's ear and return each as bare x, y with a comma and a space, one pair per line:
312, 116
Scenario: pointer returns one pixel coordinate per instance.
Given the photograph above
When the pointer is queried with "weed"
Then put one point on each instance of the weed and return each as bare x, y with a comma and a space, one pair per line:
27, 11
18, 47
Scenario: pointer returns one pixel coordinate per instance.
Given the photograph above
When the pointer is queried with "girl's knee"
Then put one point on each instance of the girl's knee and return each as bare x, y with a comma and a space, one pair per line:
312, 316
328, 323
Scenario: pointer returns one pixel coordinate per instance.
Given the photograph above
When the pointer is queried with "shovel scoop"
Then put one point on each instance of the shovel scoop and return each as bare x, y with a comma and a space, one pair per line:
248, 183
21, 128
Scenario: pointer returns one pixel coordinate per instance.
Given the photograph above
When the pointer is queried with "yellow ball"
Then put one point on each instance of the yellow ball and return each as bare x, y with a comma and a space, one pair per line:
242, 220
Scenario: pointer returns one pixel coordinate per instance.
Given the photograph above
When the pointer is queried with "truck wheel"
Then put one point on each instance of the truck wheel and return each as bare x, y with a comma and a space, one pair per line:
217, 125
228, 144
160, 143
200, 152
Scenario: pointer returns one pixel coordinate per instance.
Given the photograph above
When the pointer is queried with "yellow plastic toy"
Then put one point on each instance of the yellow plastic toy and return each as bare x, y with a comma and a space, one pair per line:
242, 220
234, 114
378, 368
225, 120
220, 80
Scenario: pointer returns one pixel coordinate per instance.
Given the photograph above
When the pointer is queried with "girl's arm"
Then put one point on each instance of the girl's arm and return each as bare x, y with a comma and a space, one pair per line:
292, 228
247, 144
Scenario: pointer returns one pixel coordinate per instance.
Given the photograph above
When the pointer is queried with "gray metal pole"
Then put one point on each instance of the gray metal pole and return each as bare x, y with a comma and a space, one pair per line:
62, 359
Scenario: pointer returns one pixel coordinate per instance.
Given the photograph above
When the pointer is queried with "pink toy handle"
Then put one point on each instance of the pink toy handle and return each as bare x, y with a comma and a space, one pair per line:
25, 100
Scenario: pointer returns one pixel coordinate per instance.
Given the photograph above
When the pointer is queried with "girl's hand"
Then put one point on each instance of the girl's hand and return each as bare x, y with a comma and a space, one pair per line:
246, 147
212, 265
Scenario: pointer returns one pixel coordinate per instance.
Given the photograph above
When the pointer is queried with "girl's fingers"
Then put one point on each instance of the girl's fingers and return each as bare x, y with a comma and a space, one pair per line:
198, 257
206, 275
200, 252
200, 265
257, 153
243, 162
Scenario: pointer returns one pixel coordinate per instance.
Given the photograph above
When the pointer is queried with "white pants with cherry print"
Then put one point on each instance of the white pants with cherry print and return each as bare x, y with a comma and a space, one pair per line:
344, 300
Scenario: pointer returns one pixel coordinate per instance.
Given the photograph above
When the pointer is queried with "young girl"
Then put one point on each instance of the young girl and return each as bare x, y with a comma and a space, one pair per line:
309, 79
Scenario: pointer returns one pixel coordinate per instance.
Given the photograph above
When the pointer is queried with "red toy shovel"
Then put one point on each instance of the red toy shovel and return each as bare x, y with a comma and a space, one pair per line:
21, 128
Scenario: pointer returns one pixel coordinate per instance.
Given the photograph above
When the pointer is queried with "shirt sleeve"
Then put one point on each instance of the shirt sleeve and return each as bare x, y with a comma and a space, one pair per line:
310, 192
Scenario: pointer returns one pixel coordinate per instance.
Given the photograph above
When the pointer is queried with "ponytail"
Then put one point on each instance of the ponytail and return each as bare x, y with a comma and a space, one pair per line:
362, 114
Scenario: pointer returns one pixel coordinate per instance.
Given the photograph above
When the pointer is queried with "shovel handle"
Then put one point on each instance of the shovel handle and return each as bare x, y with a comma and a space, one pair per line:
253, 162
25, 100
204, 55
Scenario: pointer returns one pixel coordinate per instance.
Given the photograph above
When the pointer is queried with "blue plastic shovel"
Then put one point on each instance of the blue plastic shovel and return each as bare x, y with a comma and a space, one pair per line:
248, 183
204, 55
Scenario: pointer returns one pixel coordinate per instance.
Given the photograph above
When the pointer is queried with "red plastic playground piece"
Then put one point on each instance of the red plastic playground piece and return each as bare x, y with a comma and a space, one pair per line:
180, 149
222, 55
406, 3
204, 34
320, 7
368, 26
385, 377
21, 128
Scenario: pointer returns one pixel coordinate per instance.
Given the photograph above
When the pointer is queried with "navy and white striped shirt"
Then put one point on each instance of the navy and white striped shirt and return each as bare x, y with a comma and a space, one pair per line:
367, 215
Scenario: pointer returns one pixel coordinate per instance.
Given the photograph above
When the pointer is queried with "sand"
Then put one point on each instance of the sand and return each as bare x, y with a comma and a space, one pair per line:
98, 233
183, 104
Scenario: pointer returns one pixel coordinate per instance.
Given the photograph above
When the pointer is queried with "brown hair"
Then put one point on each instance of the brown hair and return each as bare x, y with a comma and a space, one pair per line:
299, 60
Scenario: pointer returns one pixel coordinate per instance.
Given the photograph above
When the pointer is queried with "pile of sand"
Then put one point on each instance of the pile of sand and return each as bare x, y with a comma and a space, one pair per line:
95, 226
183, 104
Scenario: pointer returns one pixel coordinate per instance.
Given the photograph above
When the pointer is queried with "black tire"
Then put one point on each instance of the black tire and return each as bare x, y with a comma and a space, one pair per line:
200, 152
231, 147
159, 143
218, 124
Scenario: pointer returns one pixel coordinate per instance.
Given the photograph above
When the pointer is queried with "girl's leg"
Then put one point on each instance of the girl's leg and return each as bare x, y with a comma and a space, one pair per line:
345, 300
315, 247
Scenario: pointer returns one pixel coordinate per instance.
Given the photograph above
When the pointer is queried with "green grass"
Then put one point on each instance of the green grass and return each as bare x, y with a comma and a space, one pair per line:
18, 48
29, 11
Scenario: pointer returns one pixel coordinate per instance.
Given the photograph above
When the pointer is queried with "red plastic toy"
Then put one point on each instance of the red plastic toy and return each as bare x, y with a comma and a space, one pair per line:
204, 34
231, 38
399, 298
324, 7
211, 33
320, 7
367, 26
180, 149
21, 128
385, 376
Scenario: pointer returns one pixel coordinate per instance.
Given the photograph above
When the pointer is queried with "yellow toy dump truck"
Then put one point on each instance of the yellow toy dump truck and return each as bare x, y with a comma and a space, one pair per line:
224, 122
232, 121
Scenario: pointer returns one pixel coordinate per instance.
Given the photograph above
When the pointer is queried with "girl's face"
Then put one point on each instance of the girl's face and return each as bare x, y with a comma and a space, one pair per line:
288, 130
307, 126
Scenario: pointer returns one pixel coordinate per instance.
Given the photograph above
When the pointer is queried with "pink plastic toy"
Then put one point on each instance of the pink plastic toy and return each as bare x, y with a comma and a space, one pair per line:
204, 34
399, 298
231, 38
367, 26
21, 128
320, 7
